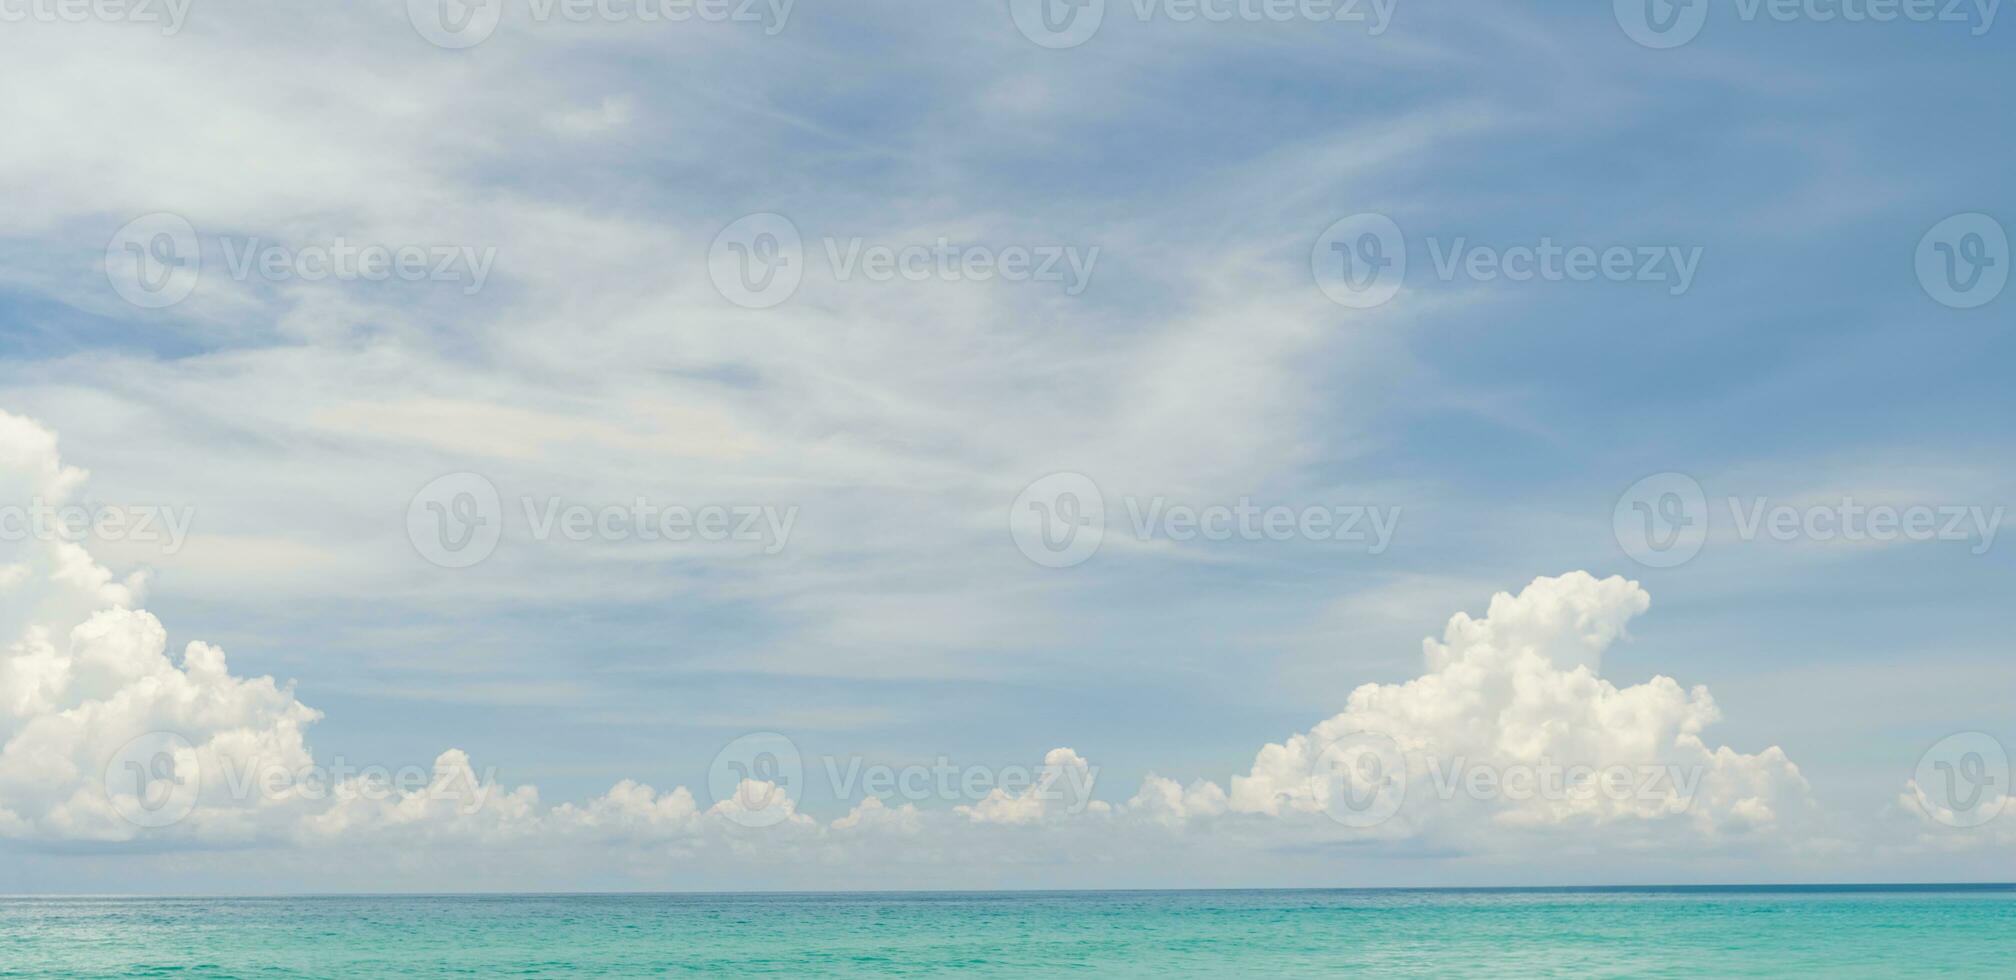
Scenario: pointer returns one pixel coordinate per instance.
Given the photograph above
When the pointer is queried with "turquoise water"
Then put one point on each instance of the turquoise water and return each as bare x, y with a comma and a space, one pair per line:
1637, 932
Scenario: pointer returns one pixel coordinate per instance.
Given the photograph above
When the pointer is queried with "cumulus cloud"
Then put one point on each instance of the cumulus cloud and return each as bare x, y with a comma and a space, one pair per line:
86, 677
1062, 786
1511, 726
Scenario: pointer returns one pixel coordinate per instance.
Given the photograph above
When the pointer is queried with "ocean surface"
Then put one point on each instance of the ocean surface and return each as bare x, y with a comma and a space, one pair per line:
1814, 931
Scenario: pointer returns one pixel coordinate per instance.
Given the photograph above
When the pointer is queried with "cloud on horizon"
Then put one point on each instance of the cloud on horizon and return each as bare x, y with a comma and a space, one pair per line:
1507, 745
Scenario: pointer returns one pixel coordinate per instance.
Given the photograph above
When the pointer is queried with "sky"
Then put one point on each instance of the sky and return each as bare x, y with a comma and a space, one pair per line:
586, 446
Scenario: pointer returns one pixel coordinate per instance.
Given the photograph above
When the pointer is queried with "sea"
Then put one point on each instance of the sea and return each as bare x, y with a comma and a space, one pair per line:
1832, 931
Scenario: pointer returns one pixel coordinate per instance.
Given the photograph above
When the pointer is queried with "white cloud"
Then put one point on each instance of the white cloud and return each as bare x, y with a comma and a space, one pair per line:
1515, 688
1063, 786
1510, 729
1513, 691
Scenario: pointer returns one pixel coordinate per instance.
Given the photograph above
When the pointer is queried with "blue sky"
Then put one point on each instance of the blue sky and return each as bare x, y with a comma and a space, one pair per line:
1805, 362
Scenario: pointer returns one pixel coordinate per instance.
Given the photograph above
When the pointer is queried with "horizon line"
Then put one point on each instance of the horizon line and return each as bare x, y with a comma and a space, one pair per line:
1810, 887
